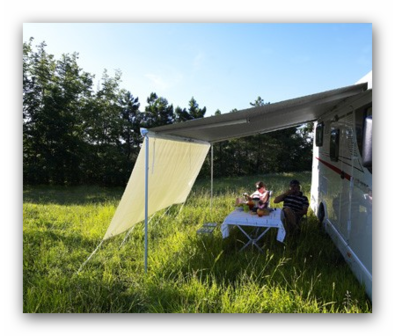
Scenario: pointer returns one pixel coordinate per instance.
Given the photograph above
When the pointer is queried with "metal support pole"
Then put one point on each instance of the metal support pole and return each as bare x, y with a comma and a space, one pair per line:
144, 133
212, 175
146, 203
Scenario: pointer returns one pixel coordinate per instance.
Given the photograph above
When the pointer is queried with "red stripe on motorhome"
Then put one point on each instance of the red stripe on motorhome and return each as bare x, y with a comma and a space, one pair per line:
335, 169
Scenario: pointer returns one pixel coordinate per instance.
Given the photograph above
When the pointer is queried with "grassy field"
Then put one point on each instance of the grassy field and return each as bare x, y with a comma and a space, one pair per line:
187, 273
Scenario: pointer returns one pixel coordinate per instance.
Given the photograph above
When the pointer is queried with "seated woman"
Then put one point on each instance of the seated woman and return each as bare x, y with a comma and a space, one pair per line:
261, 193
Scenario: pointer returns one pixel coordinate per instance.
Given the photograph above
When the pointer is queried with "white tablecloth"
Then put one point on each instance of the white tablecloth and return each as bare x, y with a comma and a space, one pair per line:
241, 218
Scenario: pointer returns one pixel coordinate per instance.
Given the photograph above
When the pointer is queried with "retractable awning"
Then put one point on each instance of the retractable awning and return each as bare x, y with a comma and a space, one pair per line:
262, 119
172, 155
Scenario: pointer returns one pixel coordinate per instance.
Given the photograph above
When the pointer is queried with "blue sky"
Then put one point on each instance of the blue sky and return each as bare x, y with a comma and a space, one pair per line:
222, 65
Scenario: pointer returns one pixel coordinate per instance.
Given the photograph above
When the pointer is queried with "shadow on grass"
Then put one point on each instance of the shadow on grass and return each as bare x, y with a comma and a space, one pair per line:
80, 195
308, 265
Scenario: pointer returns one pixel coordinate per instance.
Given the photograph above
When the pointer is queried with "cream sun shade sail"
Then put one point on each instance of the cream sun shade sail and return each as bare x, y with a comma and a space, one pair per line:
173, 168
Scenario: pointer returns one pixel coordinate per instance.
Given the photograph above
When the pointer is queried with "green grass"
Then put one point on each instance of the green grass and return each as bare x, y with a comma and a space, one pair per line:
187, 273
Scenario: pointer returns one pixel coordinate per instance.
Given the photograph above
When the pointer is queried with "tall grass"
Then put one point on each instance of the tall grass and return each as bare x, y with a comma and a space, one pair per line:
187, 273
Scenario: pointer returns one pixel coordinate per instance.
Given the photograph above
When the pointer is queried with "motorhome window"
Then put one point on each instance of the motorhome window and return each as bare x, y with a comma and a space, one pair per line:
360, 116
334, 144
319, 134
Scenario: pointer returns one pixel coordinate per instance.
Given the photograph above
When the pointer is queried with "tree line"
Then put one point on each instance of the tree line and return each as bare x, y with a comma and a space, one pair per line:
76, 134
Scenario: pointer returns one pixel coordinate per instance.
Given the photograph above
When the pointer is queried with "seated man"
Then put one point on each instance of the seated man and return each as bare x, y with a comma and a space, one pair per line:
295, 206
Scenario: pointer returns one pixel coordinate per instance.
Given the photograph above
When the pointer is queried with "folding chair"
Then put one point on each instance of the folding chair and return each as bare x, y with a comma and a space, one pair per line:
207, 228
302, 221
268, 199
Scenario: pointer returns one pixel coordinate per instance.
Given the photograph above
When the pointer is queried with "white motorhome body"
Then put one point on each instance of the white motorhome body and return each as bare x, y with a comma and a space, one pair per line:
341, 190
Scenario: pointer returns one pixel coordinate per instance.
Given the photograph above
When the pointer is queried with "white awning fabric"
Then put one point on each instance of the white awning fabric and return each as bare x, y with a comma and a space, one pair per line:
262, 119
173, 169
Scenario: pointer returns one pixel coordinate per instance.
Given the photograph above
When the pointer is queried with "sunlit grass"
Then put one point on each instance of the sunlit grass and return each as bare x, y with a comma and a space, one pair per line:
187, 273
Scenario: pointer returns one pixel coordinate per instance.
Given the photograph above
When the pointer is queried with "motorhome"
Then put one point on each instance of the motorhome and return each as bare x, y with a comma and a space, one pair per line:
341, 190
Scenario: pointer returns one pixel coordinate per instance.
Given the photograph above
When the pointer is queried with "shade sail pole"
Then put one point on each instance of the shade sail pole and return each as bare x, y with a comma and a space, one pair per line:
212, 175
144, 132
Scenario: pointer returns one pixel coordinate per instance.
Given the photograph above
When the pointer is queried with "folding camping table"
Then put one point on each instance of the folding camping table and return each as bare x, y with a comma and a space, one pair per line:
241, 219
